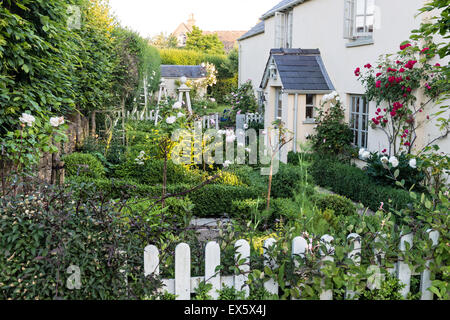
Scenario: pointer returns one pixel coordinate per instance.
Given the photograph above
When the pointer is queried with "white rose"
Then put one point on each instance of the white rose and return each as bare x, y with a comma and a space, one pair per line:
180, 115
56, 121
365, 155
226, 163
393, 161
384, 160
27, 119
413, 163
171, 120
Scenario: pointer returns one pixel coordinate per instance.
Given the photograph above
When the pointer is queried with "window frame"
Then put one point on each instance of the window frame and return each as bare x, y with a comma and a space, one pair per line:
310, 106
362, 126
351, 16
278, 103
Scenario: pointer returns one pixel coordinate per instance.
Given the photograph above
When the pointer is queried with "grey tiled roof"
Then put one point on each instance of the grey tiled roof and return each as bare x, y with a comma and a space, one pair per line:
259, 28
284, 4
300, 70
175, 71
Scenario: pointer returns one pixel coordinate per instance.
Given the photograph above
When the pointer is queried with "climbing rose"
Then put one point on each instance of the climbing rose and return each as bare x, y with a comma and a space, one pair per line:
393, 161
378, 84
56, 121
357, 71
403, 47
177, 105
27, 119
413, 163
171, 120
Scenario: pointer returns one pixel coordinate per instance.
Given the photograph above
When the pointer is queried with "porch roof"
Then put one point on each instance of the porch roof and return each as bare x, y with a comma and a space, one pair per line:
299, 70
175, 71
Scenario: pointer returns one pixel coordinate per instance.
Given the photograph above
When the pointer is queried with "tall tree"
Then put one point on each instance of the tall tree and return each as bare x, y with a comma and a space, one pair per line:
208, 43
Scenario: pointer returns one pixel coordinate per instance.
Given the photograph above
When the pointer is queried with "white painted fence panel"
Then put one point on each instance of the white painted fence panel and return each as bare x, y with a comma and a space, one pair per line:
183, 284
271, 285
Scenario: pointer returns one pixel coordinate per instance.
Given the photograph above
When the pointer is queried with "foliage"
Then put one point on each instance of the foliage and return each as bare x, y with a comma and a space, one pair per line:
332, 135
379, 168
395, 86
242, 100
209, 43
356, 185
286, 182
163, 41
46, 231
83, 165
223, 88
389, 290
340, 205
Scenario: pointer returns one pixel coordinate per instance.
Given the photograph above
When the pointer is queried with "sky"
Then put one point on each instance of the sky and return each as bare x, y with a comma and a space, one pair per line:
151, 17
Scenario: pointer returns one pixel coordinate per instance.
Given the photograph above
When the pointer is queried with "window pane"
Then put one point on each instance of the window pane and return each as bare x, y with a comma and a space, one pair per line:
370, 7
360, 24
357, 105
360, 6
310, 99
309, 112
369, 23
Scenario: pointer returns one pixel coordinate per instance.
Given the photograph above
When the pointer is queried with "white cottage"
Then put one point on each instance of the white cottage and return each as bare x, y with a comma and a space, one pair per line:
171, 74
344, 34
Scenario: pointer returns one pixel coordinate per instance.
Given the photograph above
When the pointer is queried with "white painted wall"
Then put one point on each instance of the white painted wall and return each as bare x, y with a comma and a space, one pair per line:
319, 24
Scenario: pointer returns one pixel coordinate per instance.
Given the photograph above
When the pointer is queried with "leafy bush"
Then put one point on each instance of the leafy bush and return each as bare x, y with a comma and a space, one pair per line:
332, 134
286, 182
340, 205
390, 290
356, 185
212, 200
223, 88
151, 172
244, 208
83, 165
46, 231
384, 175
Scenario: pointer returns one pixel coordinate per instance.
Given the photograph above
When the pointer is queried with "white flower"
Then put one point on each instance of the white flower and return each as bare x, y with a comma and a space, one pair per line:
384, 160
245, 126
27, 119
393, 161
248, 149
365, 155
212, 100
180, 115
212, 121
230, 136
171, 119
56, 121
361, 151
177, 105
413, 163
226, 163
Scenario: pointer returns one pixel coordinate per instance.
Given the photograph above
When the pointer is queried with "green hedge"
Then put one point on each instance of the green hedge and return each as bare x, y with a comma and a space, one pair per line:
213, 200
356, 185
83, 165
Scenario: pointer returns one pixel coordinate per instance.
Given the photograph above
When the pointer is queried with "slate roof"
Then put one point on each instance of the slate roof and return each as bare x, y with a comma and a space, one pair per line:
259, 28
283, 5
299, 70
174, 71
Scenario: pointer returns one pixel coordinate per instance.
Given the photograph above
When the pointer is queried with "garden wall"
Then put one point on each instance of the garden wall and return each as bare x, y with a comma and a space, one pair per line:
77, 131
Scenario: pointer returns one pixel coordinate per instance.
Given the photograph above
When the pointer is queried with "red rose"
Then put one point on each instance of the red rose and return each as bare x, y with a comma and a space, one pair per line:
368, 66
437, 65
379, 74
401, 70
357, 71
384, 151
378, 84
403, 47
425, 50
393, 113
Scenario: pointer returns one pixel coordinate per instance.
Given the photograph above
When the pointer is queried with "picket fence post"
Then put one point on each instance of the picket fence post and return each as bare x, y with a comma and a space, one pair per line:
212, 261
242, 253
403, 269
270, 285
299, 247
183, 272
327, 256
425, 277
355, 256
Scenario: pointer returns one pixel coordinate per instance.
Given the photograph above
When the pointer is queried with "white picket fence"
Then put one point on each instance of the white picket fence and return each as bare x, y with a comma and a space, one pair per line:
147, 115
254, 117
183, 284
211, 121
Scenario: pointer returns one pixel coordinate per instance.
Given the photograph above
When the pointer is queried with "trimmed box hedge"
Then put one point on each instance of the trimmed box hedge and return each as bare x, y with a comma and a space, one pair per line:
213, 200
355, 184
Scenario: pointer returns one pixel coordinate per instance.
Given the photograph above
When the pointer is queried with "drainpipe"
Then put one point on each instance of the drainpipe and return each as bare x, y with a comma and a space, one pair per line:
295, 121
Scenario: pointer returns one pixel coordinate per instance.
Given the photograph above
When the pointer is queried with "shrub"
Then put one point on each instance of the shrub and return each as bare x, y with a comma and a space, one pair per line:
151, 172
46, 231
212, 200
340, 205
83, 165
377, 170
354, 184
244, 208
286, 182
223, 88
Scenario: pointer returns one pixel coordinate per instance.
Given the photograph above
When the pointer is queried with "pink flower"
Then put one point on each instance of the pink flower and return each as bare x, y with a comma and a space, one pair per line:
403, 47
437, 65
379, 74
368, 66
393, 113
381, 206
425, 50
384, 151
401, 70
357, 71
378, 84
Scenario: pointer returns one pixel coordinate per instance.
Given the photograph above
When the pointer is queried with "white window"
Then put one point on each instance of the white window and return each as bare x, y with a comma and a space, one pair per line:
278, 103
359, 19
359, 120
310, 105
284, 29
